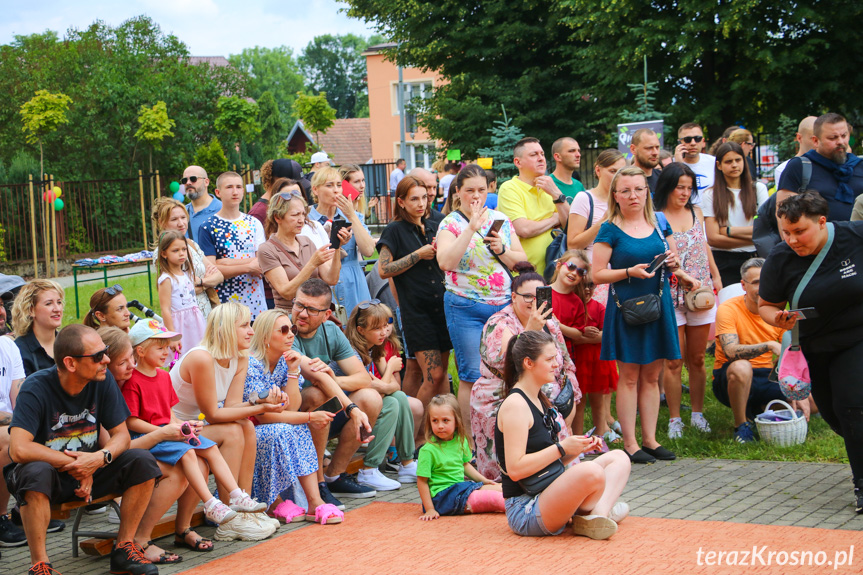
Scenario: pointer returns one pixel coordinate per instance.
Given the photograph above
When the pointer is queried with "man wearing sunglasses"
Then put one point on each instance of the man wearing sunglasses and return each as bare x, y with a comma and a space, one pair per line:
54, 440
202, 204
690, 142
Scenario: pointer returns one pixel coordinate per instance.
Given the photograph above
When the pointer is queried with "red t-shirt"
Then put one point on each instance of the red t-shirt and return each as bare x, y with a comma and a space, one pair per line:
569, 311
150, 398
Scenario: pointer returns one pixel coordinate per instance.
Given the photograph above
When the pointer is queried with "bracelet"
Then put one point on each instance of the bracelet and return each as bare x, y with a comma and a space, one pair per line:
293, 376
310, 417
627, 273
561, 449
728, 231
502, 251
350, 407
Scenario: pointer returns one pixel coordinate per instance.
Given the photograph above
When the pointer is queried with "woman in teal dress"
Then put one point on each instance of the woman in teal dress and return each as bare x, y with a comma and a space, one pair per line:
625, 245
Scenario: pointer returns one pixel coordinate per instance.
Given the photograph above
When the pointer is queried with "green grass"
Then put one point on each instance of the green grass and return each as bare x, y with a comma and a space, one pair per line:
822, 445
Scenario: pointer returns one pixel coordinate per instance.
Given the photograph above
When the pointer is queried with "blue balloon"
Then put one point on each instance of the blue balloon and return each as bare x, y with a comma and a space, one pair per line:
179, 197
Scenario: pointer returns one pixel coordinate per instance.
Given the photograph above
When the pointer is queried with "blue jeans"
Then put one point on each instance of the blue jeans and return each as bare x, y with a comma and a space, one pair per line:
465, 319
525, 518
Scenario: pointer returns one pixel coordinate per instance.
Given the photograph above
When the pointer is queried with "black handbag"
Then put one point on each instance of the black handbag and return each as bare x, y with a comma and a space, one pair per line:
565, 400
539, 481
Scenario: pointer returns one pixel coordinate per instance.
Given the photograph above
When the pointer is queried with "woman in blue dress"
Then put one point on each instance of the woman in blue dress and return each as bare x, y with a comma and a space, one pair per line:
625, 245
285, 451
333, 204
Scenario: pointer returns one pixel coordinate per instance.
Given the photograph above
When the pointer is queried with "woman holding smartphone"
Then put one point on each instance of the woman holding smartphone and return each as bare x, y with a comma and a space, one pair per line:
476, 248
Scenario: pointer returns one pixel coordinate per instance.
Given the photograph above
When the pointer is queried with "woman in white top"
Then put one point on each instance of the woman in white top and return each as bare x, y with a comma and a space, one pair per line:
729, 210
209, 382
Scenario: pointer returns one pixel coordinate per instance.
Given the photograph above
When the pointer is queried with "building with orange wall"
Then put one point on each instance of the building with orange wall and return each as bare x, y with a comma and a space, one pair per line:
383, 80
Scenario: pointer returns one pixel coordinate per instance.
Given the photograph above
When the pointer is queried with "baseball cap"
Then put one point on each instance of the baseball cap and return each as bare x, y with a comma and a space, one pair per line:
318, 157
146, 329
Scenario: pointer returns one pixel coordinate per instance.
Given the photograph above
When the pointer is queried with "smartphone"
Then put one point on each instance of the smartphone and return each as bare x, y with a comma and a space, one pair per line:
333, 405
364, 435
495, 227
657, 261
805, 312
543, 294
335, 243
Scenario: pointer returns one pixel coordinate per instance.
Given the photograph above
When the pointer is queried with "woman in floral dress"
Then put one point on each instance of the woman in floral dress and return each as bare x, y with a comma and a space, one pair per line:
476, 261
486, 396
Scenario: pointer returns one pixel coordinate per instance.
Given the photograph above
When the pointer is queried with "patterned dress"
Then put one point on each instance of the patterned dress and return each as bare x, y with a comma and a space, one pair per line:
239, 240
199, 265
693, 260
487, 393
285, 451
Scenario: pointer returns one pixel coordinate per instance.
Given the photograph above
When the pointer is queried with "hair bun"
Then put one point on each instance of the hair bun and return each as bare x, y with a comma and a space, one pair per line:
523, 267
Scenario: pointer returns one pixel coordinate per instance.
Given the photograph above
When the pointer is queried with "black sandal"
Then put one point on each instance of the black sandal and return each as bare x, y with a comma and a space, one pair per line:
164, 558
180, 541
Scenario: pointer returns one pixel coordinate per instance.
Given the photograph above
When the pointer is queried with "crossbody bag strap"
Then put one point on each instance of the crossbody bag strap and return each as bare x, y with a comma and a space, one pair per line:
661, 273
813, 267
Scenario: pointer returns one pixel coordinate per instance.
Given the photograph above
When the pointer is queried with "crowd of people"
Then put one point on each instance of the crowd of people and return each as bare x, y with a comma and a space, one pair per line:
270, 342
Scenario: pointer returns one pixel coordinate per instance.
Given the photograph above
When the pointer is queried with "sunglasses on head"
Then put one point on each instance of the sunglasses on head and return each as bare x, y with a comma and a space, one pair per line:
288, 195
114, 290
690, 139
192, 179
573, 267
96, 357
288, 328
368, 303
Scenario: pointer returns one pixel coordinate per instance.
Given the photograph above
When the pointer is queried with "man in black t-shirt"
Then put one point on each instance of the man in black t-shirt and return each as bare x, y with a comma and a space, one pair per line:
53, 441
836, 174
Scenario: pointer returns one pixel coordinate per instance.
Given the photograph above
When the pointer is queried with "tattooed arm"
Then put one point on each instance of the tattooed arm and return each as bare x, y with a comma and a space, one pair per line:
734, 350
389, 268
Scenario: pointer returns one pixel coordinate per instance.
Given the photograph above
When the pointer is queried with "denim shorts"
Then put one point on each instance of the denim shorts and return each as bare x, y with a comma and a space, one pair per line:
525, 518
465, 319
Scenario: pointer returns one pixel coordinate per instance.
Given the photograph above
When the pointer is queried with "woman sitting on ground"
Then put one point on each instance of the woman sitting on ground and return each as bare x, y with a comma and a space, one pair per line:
285, 451
518, 317
108, 308
209, 382
37, 314
169, 214
527, 444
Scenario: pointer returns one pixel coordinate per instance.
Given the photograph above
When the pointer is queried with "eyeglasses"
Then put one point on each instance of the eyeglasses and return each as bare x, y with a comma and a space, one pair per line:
312, 311
528, 298
550, 422
192, 179
285, 329
636, 191
368, 303
573, 267
114, 290
96, 357
690, 139
747, 143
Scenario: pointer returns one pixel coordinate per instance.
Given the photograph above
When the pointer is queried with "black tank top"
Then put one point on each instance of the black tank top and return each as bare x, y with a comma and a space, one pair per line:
538, 438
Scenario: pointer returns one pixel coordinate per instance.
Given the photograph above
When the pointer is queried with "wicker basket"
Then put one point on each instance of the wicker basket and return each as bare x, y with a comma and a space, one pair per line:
783, 433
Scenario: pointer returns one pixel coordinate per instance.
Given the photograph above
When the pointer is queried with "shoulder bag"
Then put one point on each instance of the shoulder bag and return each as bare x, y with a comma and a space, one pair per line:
794, 380
645, 308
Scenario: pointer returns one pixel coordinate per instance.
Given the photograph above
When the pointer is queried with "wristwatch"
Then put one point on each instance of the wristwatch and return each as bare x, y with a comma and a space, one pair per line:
559, 199
107, 458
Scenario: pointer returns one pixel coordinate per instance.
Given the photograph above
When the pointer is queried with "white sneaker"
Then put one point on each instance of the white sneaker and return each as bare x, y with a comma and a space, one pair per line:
245, 527
619, 512
113, 518
593, 526
245, 504
675, 428
264, 518
700, 423
218, 512
376, 480
408, 473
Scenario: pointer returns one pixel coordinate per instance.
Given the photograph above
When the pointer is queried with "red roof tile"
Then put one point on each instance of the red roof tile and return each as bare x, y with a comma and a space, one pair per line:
349, 141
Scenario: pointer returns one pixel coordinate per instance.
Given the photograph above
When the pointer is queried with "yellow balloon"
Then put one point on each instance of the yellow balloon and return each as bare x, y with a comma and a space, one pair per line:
57, 191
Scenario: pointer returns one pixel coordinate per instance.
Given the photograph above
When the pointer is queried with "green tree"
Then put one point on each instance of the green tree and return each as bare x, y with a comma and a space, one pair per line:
316, 114
273, 70
212, 158
155, 127
237, 119
271, 124
335, 65
43, 114
504, 137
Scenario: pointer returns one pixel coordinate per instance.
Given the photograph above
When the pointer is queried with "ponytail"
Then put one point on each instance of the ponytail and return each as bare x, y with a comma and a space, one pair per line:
526, 345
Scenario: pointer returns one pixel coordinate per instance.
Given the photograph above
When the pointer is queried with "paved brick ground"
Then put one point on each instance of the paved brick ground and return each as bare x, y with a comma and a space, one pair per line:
758, 492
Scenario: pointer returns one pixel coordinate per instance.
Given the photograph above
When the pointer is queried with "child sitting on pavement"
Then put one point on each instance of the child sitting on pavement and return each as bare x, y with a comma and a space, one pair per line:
444, 463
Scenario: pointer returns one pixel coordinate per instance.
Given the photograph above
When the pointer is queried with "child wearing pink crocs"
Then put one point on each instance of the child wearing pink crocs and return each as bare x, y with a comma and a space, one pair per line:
444, 464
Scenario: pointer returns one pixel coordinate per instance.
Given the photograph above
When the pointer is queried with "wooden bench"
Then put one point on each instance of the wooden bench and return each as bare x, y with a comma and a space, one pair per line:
102, 542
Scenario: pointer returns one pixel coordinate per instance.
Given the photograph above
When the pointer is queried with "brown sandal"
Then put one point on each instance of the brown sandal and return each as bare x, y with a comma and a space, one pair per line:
199, 544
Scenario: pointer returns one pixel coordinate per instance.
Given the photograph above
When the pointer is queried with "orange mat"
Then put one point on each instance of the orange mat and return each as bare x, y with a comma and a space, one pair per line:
384, 538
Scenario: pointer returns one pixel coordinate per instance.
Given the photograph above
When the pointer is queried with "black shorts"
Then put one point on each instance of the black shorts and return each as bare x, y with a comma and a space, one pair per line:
130, 468
426, 331
761, 392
